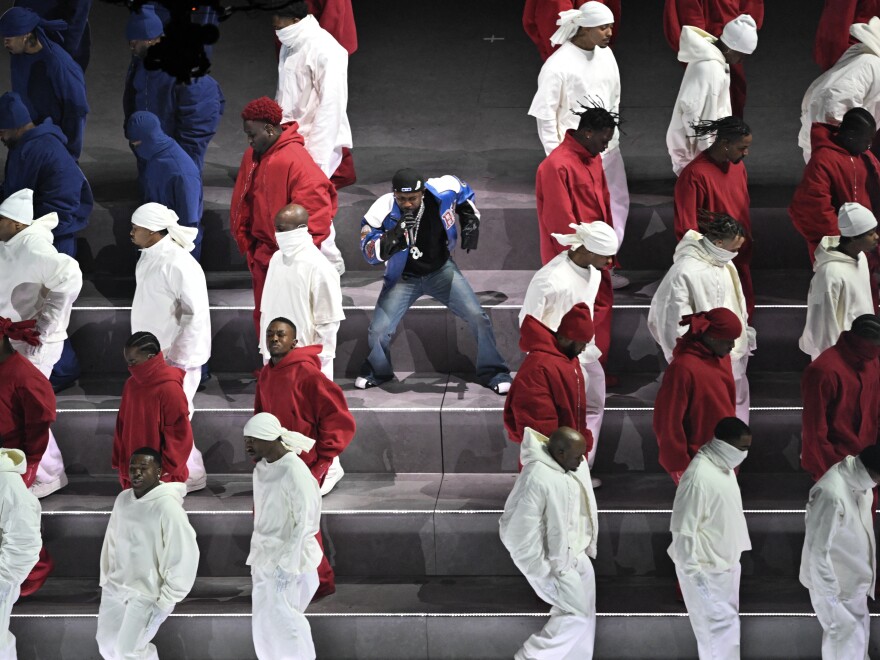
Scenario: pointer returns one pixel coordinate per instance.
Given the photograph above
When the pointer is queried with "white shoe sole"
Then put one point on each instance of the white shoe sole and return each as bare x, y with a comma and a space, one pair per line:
40, 489
196, 484
334, 476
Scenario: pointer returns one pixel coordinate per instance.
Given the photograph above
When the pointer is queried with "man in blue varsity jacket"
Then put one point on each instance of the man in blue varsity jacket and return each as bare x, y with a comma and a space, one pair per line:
412, 230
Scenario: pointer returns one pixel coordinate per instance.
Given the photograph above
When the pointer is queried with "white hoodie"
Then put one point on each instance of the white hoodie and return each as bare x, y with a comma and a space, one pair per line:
555, 289
853, 82
149, 547
697, 282
171, 301
303, 286
571, 76
36, 282
709, 531
287, 515
313, 90
839, 547
840, 291
550, 516
704, 95
20, 540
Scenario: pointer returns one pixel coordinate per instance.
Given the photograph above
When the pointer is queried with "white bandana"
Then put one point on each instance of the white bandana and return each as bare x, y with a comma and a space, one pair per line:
590, 14
265, 426
598, 237
157, 217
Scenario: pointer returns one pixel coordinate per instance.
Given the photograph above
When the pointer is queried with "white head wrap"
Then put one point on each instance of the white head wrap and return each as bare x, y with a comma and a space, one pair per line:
741, 34
265, 426
590, 14
157, 217
854, 219
19, 206
597, 237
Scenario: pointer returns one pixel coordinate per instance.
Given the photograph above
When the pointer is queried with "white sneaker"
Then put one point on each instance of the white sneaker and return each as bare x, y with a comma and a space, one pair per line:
334, 475
596, 482
198, 483
618, 281
41, 489
501, 388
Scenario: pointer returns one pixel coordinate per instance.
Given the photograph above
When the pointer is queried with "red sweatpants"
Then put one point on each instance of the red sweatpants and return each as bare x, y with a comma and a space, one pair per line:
602, 316
738, 90
258, 264
41, 570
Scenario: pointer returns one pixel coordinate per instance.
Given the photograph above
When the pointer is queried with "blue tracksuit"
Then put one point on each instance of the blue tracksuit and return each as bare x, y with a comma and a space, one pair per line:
76, 40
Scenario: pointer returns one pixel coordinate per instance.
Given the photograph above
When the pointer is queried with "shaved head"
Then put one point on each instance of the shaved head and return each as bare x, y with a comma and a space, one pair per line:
567, 447
291, 217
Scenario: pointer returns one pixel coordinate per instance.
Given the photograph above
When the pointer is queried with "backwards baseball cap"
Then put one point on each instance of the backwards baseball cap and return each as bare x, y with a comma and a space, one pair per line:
407, 180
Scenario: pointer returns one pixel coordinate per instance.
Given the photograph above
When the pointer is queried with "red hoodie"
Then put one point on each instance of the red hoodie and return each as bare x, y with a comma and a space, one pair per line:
697, 392
27, 408
548, 391
831, 178
832, 34
305, 400
153, 413
284, 174
841, 394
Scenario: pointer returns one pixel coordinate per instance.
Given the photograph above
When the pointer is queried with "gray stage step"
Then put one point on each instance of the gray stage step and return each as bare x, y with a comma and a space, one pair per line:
450, 618
435, 525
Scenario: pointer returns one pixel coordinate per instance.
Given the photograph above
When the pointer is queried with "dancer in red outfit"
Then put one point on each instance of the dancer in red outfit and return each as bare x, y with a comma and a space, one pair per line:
832, 35
540, 16
712, 16
697, 390
153, 411
293, 388
27, 408
571, 188
549, 391
841, 394
716, 180
276, 170
337, 17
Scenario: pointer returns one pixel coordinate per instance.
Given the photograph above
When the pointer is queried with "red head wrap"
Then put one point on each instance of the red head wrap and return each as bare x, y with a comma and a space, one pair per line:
262, 109
719, 323
25, 331
577, 324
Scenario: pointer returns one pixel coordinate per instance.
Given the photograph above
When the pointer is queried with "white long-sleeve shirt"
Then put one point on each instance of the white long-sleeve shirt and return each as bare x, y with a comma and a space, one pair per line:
287, 515
36, 282
839, 552
20, 539
171, 301
550, 516
569, 77
709, 531
303, 286
696, 283
313, 90
853, 82
840, 291
704, 95
150, 547
557, 287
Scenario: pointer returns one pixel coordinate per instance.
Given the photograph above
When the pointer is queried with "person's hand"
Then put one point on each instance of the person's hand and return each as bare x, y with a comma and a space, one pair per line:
282, 579
470, 231
158, 614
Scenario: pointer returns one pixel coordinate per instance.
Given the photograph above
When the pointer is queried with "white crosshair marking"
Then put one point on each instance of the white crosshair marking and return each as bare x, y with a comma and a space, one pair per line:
493, 39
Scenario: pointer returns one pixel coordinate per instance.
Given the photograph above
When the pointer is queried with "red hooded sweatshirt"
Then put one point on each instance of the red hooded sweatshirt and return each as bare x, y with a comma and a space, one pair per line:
305, 400
832, 177
153, 413
548, 391
337, 17
27, 408
284, 174
841, 394
832, 33
697, 392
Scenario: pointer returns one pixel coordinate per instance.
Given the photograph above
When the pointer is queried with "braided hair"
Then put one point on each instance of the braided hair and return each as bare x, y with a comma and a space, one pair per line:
594, 116
726, 128
145, 342
718, 226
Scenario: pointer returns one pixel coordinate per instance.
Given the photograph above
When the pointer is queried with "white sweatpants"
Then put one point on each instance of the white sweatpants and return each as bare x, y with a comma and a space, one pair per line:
280, 627
52, 464
329, 250
594, 380
712, 601
845, 627
195, 464
615, 175
742, 387
126, 624
7, 639
570, 632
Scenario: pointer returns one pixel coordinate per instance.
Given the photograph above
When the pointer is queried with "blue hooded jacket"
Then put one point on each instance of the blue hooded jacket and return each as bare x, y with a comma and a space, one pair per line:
76, 39
168, 175
40, 161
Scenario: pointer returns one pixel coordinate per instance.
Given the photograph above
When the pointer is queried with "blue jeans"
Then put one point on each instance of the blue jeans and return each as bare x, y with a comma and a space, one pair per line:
447, 286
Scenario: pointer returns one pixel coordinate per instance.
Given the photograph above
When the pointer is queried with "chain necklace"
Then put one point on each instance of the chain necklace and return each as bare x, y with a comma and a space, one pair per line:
414, 251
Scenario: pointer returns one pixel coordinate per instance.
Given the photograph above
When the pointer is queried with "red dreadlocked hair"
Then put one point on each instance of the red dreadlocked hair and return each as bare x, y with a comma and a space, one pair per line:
262, 109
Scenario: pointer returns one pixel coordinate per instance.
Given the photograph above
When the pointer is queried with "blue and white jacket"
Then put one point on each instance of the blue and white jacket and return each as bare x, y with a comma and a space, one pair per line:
384, 214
